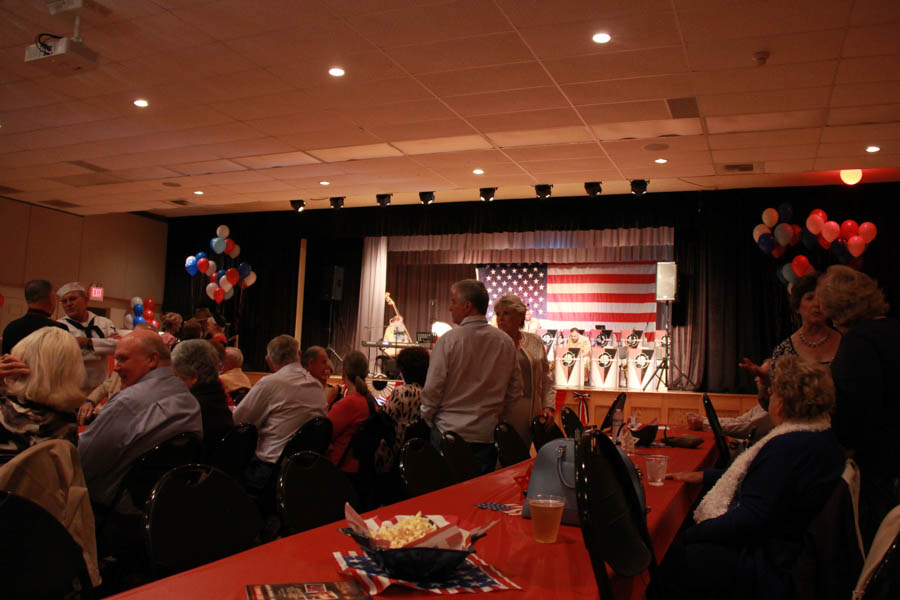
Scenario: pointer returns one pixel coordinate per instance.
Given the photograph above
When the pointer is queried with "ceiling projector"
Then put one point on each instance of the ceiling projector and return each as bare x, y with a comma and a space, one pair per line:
64, 56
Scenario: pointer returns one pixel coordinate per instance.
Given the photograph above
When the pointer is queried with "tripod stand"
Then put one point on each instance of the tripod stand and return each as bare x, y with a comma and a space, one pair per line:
661, 374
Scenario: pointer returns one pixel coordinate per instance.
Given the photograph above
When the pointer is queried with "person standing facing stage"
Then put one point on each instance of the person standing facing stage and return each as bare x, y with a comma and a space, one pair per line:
96, 336
473, 375
41, 301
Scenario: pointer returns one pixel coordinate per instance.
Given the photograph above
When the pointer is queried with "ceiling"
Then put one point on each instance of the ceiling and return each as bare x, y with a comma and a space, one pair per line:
243, 109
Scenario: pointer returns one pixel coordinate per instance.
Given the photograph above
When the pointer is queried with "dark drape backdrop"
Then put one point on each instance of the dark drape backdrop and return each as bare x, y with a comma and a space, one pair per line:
415, 287
730, 303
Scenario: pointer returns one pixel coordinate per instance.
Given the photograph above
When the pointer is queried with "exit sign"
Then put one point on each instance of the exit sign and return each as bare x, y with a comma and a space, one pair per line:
96, 293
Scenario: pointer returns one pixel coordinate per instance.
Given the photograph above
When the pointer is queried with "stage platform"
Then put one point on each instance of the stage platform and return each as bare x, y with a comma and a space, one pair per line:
669, 407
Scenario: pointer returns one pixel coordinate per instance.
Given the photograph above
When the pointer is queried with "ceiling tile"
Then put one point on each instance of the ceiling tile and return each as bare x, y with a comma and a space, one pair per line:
873, 12
772, 77
625, 111
655, 147
858, 115
797, 165
412, 131
769, 101
468, 159
322, 39
626, 90
861, 133
757, 19
511, 101
600, 67
481, 51
812, 46
565, 165
346, 136
540, 137
760, 154
760, 122
210, 166
869, 68
873, 40
760, 139
533, 153
647, 129
231, 19
445, 144
531, 119
513, 76
526, 13
400, 112
268, 161
355, 152
884, 92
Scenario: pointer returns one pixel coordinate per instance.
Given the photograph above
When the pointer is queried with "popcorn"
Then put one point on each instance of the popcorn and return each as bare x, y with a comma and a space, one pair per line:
405, 531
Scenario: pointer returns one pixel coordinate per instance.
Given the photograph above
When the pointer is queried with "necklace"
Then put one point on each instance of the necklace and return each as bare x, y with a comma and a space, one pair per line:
818, 342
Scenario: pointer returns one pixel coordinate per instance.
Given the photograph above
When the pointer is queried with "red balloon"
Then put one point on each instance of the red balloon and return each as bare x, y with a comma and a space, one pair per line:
203, 265
219, 295
814, 224
856, 246
233, 276
149, 304
849, 228
800, 265
229, 246
798, 235
148, 314
779, 251
868, 231
213, 279
2, 300
830, 231
155, 323
820, 212
823, 242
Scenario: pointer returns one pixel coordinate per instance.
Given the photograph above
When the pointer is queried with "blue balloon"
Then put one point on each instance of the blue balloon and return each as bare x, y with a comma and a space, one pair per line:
190, 263
785, 212
780, 275
244, 269
139, 320
220, 274
766, 243
193, 270
217, 244
201, 255
138, 309
809, 240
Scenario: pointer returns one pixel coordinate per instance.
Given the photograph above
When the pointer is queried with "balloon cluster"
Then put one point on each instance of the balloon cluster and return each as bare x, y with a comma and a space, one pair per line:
774, 237
141, 312
847, 241
221, 281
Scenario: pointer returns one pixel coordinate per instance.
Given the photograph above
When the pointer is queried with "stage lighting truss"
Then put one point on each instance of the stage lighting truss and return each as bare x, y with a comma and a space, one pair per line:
487, 194
383, 199
542, 190
426, 197
593, 188
639, 186
337, 202
298, 205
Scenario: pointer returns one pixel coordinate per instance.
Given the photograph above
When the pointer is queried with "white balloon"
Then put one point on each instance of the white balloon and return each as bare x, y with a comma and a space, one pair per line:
250, 279
222, 231
211, 290
229, 294
212, 268
235, 251
136, 300
225, 284
129, 321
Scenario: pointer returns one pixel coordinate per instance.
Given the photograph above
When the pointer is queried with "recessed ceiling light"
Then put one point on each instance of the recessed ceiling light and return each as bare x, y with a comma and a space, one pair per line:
324, 183
871, 149
141, 103
336, 72
660, 161
601, 38
198, 192
478, 171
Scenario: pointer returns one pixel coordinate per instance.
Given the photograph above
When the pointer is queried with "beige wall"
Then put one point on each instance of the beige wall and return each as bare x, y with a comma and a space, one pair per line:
124, 253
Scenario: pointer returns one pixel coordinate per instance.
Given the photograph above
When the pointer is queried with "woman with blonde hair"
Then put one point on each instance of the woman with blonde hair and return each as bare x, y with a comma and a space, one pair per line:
539, 393
867, 408
41, 405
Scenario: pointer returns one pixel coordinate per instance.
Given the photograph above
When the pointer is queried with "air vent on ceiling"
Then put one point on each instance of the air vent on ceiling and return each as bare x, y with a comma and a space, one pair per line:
8, 190
171, 184
738, 168
87, 165
59, 204
180, 202
683, 108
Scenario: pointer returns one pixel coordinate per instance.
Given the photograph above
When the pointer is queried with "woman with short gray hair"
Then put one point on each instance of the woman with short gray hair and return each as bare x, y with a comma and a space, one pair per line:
196, 363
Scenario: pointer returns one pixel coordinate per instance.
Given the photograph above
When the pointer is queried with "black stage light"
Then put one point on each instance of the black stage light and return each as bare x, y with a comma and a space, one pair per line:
426, 197
383, 199
298, 205
337, 202
542, 190
593, 188
639, 186
487, 194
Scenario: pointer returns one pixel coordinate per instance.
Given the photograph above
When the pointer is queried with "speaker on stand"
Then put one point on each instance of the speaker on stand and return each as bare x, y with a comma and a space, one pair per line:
666, 290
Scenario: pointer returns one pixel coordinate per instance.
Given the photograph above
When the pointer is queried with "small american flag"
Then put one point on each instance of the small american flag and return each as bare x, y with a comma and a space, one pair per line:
507, 509
474, 575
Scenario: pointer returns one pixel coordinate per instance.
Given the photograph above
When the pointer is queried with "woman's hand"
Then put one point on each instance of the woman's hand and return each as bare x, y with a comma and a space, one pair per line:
85, 411
10, 367
688, 477
750, 366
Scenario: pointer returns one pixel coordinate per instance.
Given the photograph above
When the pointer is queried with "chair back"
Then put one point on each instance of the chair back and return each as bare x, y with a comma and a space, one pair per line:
182, 449
238, 395
236, 449
510, 447
311, 492
422, 468
197, 514
721, 443
613, 525
540, 435
618, 403
880, 577
313, 436
418, 429
459, 457
38, 557
571, 423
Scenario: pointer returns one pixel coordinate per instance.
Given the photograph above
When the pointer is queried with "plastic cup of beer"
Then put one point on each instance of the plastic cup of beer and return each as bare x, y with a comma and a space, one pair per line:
656, 469
546, 514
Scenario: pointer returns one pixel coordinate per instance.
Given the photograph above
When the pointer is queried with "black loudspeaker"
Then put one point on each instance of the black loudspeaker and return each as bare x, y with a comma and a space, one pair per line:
333, 286
666, 281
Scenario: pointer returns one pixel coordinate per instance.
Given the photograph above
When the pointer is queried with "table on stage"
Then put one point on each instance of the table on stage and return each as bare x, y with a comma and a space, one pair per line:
560, 570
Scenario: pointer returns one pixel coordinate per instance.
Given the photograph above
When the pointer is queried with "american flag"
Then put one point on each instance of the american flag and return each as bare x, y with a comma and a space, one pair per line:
473, 575
618, 296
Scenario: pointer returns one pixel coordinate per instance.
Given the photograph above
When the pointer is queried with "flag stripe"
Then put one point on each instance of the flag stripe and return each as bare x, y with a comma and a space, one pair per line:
608, 278
609, 317
601, 297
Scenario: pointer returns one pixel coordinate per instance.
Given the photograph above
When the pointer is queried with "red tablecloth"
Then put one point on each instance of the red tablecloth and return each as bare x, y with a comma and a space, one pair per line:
560, 570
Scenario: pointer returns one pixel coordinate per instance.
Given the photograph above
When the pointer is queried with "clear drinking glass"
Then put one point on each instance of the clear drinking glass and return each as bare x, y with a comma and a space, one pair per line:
546, 514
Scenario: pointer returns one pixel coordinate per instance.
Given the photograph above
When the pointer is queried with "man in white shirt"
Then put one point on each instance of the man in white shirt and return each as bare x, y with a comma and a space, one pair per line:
473, 375
96, 336
279, 404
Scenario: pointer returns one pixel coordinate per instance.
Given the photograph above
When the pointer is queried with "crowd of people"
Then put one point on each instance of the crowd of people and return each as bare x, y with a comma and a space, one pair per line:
823, 395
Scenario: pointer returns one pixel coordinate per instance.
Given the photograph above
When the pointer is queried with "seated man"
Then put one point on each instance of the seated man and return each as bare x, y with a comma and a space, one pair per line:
279, 404
41, 302
153, 406
232, 375
315, 360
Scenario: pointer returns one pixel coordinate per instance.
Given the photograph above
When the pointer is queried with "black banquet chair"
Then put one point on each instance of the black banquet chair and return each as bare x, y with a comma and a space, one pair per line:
422, 468
510, 447
38, 557
182, 449
197, 514
721, 443
313, 436
235, 450
311, 492
571, 423
458, 454
618, 403
613, 522
541, 435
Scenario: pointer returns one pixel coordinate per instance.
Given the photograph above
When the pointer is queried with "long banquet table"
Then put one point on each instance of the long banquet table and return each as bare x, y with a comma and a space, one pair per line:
560, 570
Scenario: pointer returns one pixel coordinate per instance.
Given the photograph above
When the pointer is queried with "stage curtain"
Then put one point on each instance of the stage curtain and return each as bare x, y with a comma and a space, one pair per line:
371, 292
414, 287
